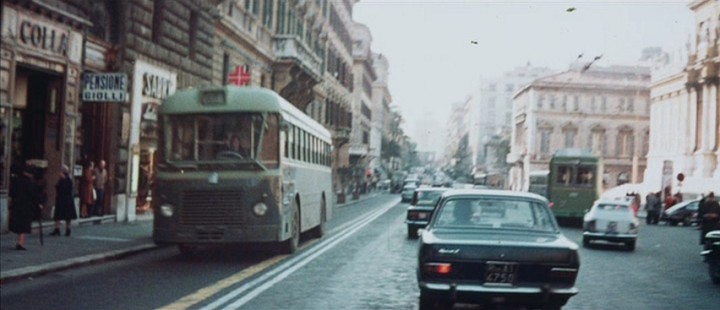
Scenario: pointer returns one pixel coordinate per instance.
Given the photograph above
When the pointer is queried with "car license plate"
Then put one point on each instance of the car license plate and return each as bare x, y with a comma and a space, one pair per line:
500, 273
612, 227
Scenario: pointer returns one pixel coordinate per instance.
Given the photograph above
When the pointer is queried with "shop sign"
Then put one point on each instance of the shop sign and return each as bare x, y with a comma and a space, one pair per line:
40, 35
104, 87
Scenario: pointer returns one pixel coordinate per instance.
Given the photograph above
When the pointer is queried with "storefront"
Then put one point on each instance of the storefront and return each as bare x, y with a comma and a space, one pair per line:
150, 85
40, 63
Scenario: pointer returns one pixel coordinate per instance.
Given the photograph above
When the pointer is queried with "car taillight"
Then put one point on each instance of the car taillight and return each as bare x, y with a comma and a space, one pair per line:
558, 273
438, 268
413, 215
551, 204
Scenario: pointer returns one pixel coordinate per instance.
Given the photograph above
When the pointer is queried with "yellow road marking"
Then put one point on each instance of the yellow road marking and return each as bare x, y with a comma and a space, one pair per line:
207, 292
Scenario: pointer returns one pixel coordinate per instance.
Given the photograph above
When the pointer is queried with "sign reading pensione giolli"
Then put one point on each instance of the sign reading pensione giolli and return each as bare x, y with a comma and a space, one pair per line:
104, 87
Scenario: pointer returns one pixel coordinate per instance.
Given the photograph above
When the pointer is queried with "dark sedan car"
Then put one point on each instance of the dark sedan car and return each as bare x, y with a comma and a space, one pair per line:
684, 212
495, 247
421, 208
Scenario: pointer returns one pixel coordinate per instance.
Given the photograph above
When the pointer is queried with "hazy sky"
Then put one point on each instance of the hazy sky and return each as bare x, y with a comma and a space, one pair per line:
433, 63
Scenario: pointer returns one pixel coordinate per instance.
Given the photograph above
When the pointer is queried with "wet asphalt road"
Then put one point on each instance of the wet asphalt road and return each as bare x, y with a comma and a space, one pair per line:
365, 262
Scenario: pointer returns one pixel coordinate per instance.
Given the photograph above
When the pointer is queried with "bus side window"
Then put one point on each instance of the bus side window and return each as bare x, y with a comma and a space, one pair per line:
564, 175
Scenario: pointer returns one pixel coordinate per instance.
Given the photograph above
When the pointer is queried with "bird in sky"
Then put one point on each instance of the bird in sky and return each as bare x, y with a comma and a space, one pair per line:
473, 42
570, 10
580, 56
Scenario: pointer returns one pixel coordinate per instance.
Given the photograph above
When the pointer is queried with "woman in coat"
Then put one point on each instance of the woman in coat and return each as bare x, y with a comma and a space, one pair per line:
25, 206
64, 202
86, 189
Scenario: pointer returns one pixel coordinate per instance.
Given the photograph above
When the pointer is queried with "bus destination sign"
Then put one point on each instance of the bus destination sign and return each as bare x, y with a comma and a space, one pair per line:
104, 87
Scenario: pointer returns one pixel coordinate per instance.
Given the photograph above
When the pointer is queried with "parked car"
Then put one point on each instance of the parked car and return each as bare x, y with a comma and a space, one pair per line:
495, 246
685, 212
611, 220
421, 208
407, 192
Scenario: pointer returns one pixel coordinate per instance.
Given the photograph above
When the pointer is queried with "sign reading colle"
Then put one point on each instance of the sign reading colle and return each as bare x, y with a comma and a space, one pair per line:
105, 87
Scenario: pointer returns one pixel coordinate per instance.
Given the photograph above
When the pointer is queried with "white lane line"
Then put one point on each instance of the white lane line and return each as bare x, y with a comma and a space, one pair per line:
284, 266
102, 238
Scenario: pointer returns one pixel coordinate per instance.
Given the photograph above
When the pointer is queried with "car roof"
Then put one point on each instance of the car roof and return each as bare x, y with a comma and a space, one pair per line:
431, 189
492, 192
681, 204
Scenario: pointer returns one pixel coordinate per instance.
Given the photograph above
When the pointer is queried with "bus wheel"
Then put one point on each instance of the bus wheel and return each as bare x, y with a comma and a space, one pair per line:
290, 246
319, 230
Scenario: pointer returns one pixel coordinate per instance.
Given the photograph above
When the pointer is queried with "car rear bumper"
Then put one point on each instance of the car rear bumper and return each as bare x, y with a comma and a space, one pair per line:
416, 223
498, 294
609, 237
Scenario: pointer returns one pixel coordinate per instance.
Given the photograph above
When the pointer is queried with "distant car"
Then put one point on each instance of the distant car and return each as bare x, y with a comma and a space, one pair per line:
611, 220
478, 186
494, 246
415, 181
685, 212
407, 192
421, 208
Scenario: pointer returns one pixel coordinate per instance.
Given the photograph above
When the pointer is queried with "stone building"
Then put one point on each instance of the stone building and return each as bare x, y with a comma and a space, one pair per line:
382, 99
492, 110
602, 109
685, 112
365, 135
148, 48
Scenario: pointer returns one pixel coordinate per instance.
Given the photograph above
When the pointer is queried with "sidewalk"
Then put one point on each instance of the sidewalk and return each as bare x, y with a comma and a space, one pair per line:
92, 240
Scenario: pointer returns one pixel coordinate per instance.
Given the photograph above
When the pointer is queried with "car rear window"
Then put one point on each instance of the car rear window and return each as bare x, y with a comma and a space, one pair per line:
428, 197
494, 213
613, 207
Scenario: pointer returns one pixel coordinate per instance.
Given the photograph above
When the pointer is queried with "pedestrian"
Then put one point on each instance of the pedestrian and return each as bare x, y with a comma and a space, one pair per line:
658, 206
650, 208
709, 215
86, 189
64, 202
24, 206
669, 201
101, 176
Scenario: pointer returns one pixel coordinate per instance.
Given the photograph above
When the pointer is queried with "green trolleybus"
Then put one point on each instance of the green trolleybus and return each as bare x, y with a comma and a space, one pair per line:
239, 165
574, 183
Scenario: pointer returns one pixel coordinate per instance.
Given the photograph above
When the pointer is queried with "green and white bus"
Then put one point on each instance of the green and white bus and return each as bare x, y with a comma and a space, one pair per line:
574, 183
239, 165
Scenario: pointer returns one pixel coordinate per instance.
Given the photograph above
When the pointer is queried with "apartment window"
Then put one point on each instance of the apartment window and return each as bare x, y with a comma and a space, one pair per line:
603, 104
625, 143
267, 13
552, 101
569, 134
192, 36
509, 87
545, 141
631, 105
645, 142
647, 106
158, 8
576, 103
282, 9
592, 104
540, 102
621, 105
226, 68
597, 141
366, 137
563, 105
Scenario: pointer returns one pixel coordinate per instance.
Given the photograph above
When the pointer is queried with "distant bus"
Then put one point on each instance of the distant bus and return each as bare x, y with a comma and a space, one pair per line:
239, 165
575, 182
539, 182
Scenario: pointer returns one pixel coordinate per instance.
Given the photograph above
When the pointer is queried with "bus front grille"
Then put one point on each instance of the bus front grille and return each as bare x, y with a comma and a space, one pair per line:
212, 208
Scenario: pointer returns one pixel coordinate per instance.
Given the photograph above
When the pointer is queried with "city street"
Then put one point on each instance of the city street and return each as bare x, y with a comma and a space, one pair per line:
364, 262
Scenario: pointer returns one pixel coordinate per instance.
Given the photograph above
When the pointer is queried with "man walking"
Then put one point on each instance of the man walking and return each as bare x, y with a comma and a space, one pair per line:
709, 215
652, 207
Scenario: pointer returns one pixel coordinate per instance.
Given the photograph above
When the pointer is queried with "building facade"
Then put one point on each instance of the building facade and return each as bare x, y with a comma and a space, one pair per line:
382, 99
605, 110
492, 111
363, 151
685, 113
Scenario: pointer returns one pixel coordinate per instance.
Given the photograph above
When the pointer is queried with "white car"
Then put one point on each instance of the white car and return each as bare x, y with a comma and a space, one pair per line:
611, 220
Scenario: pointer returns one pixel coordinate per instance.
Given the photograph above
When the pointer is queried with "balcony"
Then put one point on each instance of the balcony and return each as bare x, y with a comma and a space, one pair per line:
358, 150
248, 26
297, 69
340, 135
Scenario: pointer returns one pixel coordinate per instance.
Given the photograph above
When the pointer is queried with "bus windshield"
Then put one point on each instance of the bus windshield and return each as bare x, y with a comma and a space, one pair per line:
232, 138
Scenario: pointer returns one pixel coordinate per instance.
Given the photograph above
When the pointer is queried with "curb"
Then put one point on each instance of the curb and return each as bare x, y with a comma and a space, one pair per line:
31, 271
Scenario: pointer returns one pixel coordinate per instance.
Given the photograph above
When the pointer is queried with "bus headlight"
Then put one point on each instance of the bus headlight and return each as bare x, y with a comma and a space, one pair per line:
260, 209
166, 210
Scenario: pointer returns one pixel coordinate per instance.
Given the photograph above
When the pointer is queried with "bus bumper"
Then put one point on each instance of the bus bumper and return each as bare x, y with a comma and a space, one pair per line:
217, 234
